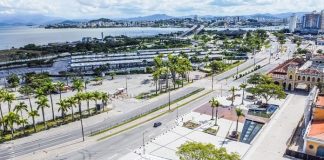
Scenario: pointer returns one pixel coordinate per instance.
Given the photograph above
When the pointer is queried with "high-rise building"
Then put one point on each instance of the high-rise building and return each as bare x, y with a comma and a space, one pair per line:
312, 20
292, 23
322, 20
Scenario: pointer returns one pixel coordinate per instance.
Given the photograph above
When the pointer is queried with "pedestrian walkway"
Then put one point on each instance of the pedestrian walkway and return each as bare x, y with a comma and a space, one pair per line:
272, 143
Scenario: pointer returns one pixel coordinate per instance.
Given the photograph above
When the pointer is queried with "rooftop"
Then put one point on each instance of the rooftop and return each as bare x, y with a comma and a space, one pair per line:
283, 68
316, 130
320, 101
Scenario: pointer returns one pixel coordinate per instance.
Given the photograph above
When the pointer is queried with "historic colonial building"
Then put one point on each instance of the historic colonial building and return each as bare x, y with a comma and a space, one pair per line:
297, 71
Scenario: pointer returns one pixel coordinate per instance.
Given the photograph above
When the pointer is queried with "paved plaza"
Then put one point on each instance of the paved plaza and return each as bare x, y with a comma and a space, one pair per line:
165, 145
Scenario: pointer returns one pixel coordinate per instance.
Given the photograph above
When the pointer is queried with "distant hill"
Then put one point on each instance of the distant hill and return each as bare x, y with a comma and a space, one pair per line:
28, 19
154, 17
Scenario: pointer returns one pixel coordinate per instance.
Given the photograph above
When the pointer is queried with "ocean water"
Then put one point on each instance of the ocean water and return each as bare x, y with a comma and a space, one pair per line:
20, 36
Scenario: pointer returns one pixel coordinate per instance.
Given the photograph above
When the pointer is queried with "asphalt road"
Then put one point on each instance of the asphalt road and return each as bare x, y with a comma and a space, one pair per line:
46, 142
117, 146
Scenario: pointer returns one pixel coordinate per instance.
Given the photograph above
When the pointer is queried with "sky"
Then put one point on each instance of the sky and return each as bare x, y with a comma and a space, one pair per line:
132, 8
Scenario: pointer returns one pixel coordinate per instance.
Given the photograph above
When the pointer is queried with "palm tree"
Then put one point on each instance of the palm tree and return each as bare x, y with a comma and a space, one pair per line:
88, 96
72, 102
214, 103
33, 114
78, 85
79, 97
104, 99
243, 87
233, 90
10, 119
60, 87
239, 113
63, 107
9, 97
27, 91
42, 103
49, 88
2, 93
20, 108
96, 97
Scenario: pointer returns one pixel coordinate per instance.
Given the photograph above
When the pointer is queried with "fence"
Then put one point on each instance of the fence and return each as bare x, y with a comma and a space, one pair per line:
300, 155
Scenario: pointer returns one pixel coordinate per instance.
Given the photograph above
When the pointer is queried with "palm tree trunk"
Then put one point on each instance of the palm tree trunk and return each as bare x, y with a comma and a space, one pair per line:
212, 82
12, 133
216, 116
44, 118
60, 95
63, 116
88, 107
72, 113
23, 124
80, 112
1, 111
52, 107
212, 113
9, 106
156, 86
30, 104
243, 97
34, 123
237, 124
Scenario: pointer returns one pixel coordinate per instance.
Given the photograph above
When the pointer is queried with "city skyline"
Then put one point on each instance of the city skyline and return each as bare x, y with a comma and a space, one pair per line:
80, 9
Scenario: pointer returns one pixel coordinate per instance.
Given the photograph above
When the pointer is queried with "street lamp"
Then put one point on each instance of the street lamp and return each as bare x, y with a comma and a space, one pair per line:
144, 143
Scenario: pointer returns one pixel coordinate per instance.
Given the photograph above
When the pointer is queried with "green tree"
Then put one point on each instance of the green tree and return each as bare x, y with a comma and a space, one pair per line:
42, 103
19, 109
216, 66
26, 90
2, 96
88, 96
243, 87
9, 98
63, 107
268, 91
200, 151
112, 74
49, 88
13, 80
239, 113
104, 99
214, 103
10, 119
72, 103
33, 114
60, 87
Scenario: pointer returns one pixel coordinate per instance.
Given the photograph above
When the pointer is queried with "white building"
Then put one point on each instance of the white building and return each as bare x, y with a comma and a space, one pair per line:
292, 23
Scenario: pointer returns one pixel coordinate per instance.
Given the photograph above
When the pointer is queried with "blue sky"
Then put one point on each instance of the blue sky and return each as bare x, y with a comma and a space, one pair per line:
131, 8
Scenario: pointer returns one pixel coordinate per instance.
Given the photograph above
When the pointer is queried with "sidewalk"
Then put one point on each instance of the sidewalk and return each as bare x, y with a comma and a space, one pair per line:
271, 144
77, 144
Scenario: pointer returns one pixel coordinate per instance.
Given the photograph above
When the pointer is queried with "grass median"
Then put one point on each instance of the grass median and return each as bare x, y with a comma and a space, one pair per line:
147, 113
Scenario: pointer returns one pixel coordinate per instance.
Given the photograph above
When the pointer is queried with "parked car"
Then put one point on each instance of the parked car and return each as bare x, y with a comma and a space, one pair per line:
157, 124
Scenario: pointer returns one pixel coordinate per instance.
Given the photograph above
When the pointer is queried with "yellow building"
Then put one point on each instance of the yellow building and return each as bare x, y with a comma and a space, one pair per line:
314, 135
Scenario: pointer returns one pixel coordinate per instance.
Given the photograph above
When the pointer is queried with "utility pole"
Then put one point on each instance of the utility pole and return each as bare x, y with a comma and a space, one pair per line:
144, 143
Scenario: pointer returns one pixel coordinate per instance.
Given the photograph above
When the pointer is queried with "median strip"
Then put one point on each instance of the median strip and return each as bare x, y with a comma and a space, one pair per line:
153, 117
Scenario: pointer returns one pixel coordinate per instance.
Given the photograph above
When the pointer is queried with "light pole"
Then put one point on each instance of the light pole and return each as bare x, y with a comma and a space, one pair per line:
221, 89
144, 143
169, 98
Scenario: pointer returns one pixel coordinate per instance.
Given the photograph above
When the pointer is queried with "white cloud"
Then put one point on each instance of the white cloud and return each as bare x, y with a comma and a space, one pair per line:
130, 8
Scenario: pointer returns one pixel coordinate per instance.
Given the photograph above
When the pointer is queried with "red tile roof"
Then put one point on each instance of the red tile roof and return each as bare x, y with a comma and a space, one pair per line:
316, 130
311, 71
282, 68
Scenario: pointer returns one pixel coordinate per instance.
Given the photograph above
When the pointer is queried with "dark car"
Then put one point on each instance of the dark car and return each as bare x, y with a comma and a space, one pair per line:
157, 124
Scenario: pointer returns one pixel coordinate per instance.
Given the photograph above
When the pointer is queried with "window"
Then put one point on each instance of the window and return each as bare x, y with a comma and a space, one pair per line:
318, 79
308, 78
311, 146
303, 78
290, 77
298, 77
313, 79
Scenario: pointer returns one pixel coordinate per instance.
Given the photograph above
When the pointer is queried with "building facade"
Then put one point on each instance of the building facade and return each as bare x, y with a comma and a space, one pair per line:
297, 71
292, 23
